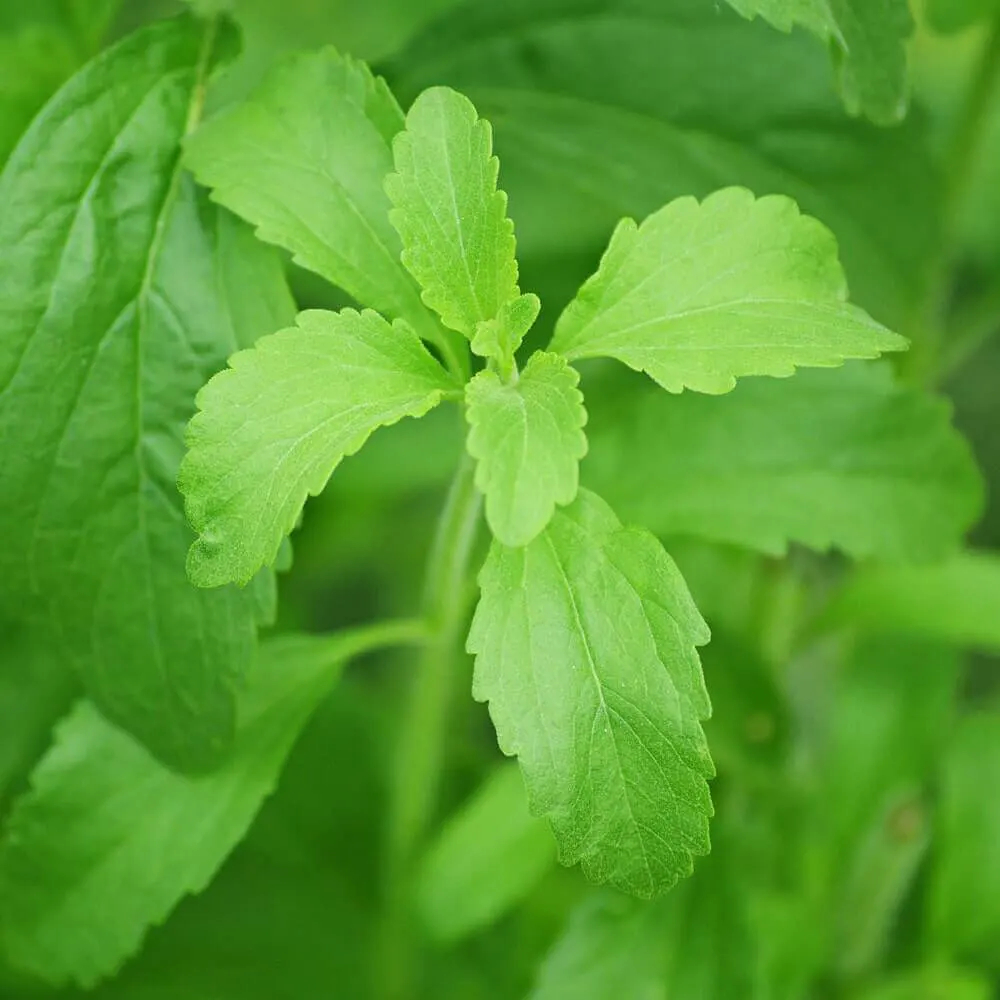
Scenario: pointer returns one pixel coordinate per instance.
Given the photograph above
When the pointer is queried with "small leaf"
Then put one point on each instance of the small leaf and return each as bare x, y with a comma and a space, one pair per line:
273, 427
457, 240
499, 338
106, 830
528, 439
703, 293
585, 649
842, 458
489, 855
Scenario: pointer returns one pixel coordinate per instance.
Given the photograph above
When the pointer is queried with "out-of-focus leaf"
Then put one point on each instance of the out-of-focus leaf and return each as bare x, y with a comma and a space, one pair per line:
933, 983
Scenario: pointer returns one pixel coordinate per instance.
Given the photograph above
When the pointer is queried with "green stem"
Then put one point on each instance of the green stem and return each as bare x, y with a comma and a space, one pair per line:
420, 751
352, 642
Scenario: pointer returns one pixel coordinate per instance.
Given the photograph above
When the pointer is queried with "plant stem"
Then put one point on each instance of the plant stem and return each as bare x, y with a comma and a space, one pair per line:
351, 642
420, 750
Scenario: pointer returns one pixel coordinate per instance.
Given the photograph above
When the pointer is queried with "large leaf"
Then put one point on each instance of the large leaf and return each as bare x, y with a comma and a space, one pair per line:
124, 291
869, 35
703, 293
612, 108
585, 649
273, 426
528, 439
457, 240
106, 829
829, 458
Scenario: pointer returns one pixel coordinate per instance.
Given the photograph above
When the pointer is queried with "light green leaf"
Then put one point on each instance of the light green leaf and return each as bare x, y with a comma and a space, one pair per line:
528, 439
489, 855
499, 338
843, 459
457, 240
304, 159
585, 649
108, 841
954, 15
956, 601
273, 427
703, 293
124, 291
870, 36
936, 982
965, 884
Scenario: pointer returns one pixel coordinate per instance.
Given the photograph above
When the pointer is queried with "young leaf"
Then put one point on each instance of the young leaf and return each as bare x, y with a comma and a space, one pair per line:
528, 439
965, 892
125, 290
499, 338
304, 160
107, 829
457, 240
956, 601
585, 649
870, 37
841, 458
489, 856
703, 293
273, 427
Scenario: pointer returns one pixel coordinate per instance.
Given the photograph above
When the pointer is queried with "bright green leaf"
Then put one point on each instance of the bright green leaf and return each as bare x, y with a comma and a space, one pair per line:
703, 293
528, 439
273, 427
489, 855
304, 159
870, 37
955, 601
457, 240
124, 290
107, 841
936, 982
499, 338
841, 458
585, 649
965, 887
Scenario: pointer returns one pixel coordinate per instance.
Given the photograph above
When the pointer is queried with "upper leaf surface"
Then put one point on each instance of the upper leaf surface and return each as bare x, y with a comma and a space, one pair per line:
107, 829
528, 439
304, 159
585, 649
125, 290
273, 427
870, 37
457, 240
841, 458
703, 293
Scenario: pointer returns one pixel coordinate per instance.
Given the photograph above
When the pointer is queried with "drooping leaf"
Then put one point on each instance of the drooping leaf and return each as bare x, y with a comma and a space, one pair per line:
528, 439
840, 458
585, 649
106, 829
489, 855
965, 890
304, 159
870, 37
457, 240
272, 428
703, 293
955, 601
124, 291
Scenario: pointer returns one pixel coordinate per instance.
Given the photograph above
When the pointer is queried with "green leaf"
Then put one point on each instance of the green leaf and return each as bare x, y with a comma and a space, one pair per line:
489, 855
304, 159
870, 36
956, 601
954, 15
703, 293
528, 439
844, 458
933, 983
272, 428
125, 290
499, 338
965, 886
586, 136
106, 829
457, 240
585, 649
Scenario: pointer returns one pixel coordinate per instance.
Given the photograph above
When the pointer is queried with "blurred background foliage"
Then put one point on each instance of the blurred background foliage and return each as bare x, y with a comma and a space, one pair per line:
857, 713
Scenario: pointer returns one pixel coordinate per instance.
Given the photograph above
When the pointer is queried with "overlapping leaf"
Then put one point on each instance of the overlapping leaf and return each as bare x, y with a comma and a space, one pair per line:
124, 291
585, 649
273, 427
